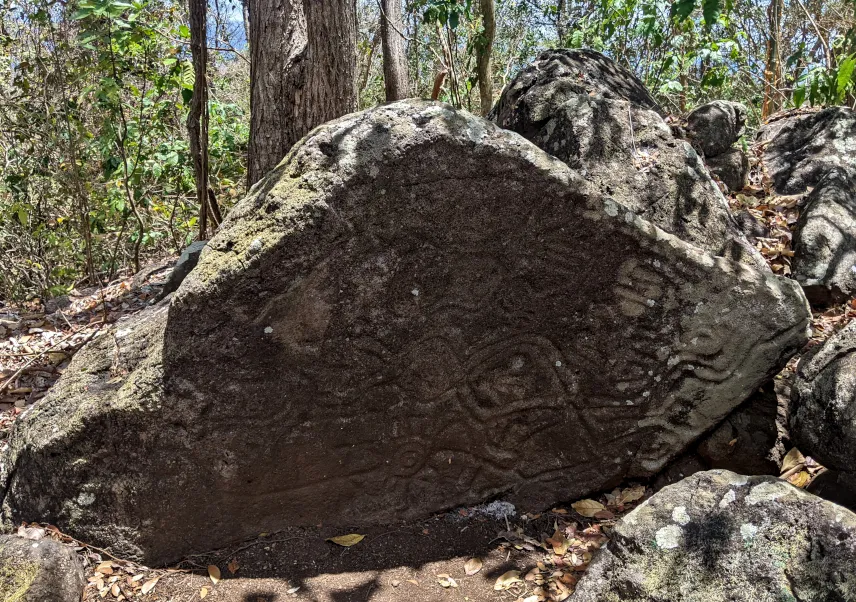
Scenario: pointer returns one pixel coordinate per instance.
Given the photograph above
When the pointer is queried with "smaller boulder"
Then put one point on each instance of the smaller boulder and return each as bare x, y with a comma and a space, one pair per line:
838, 487
188, 260
825, 240
731, 168
718, 536
823, 403
715, 126
39, 571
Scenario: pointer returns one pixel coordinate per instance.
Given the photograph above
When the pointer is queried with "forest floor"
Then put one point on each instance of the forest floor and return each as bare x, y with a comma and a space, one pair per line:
530, 558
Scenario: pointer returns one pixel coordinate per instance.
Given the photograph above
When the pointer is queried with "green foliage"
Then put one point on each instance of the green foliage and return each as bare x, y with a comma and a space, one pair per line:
97, 159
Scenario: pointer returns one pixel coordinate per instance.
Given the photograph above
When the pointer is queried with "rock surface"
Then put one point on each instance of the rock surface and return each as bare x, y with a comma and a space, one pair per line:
825, 240
754, 438
715, 126
185, 264
731, 167
627, 152
39, 571
801, 149
416, 310
578, 72
823, 404
722, 537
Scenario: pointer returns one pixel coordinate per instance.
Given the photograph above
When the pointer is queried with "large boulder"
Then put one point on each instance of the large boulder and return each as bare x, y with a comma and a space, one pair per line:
39, 571
626, 151
416, 310
578, 72
825, 240
722, 537
800, 149
823, 403
715, 126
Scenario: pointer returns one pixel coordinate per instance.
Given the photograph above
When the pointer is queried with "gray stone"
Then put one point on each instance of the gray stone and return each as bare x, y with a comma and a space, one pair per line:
57, 303
393, 323
823, 404
39, 571
731, 167
825, 239
722, 537
578, 72
754, 438
835, 486
186, 262
626, 152
715, 126
800, 149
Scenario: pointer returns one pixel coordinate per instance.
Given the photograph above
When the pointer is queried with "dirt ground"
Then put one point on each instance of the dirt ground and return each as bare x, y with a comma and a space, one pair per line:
419, 562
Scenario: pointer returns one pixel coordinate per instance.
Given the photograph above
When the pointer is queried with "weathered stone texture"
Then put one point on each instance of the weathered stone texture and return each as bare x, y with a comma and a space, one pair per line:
823, 404
715, 126
801, 149
731, 167
722, 537
825, 240
624, 150
39, 571
415, 310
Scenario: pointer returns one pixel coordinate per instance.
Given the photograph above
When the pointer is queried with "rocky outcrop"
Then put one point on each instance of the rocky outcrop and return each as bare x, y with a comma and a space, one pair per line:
731, 168
825, 239
39, 571
626, 151
714, 127
801, 149
823, 404
392, 323
721, 537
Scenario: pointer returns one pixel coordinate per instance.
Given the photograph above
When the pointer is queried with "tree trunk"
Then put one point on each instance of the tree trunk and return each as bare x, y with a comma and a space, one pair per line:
773, 67
561, 32
303, 58
483, 51
197, 118
394, 58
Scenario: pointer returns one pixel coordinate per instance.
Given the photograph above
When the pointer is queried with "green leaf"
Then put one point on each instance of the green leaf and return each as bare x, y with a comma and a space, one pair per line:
683, 8
799, 96
186, 95
845, 74
184, 31
710, 10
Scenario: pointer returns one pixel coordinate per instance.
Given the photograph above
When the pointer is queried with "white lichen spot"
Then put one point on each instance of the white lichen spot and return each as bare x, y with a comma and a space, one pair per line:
669, 537
415, 292
610, 208
268, 329
727, 498
766, 492
680, 516
738, 480
629, 217
748, 531
558, 364
629, 402
86, 498
651, 303
255, 246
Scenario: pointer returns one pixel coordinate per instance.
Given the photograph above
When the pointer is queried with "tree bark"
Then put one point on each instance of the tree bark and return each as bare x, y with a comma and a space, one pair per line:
773, 66
303, 59
394, 57
483, 54
197, 118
